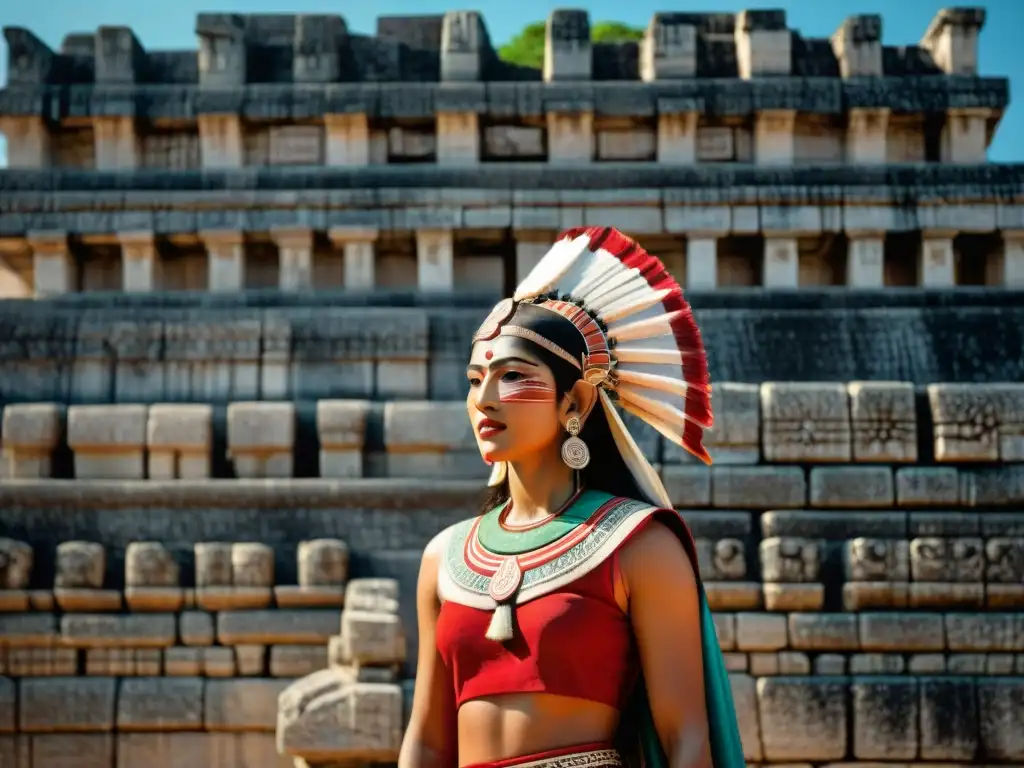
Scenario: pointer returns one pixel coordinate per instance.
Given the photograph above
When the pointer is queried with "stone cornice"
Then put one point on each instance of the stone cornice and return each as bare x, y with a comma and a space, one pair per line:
710, 96
533, 182
641, 197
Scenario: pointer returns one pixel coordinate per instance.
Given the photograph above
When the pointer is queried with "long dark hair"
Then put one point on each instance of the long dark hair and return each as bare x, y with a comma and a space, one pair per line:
606, 471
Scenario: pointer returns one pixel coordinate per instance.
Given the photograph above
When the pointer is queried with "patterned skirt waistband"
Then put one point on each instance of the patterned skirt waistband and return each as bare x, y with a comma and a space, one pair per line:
599, 755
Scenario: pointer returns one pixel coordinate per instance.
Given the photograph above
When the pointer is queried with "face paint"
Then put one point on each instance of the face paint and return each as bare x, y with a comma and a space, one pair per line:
526, 390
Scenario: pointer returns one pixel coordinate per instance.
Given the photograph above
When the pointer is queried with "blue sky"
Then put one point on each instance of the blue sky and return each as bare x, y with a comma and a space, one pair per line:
171, 25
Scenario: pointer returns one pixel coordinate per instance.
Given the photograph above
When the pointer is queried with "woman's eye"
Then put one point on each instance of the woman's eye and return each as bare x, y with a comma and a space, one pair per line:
512, 376
474, 382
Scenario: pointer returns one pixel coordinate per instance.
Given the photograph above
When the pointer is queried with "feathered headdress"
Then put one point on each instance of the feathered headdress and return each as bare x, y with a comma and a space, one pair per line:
644, 350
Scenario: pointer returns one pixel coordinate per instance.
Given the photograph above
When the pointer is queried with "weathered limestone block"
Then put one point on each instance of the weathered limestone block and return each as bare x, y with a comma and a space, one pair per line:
152, 578
218, 661
669, 48
949, 719
1004, 572
109, 441
430, 439
802, 718
927, 487
277, 627
243, 705
758, 487
16, 561
877, 573
736, 436
261, 437
325, 719
371, 638
123, 662
29, 629
857, 45
66, 704
78, 582
297, 660
1001, 718
823, 632
233, 576
885, 718
250, 660
744, 693
790, 569
805, 422
196, 628
82, 750
252, 565
567, 47
721, 559
341, 427
372, 595
851, 487
978, 422
151, 630
41, 662
31, 433
180, 440
947, 573
988, 632
160, 704
917, 632
877, 664
323, 572
883, 417
761, 632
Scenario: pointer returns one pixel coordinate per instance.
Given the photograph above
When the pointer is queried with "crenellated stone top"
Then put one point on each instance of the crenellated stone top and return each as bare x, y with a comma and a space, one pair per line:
239, 49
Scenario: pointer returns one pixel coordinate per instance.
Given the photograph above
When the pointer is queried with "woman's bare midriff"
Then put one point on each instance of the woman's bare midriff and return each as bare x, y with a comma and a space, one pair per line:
513, 725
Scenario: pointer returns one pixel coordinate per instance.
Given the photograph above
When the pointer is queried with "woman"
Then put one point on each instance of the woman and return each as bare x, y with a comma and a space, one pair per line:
566, 625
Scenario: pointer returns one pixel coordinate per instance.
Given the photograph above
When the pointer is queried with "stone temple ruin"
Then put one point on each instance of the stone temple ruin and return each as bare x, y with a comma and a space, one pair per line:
215, 496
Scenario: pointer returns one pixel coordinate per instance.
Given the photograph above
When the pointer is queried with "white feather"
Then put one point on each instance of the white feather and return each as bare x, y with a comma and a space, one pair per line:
550, 269
633, 304
632, 356
655, 325
599, 265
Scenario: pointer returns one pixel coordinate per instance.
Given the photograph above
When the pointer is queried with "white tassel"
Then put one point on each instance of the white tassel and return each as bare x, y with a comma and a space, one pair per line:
500, 629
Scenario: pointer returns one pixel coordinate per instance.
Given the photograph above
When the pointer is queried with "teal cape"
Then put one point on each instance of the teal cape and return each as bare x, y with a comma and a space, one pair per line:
637, 738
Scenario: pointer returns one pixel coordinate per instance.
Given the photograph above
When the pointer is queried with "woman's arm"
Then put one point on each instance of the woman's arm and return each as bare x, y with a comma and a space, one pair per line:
430, 740
664, 609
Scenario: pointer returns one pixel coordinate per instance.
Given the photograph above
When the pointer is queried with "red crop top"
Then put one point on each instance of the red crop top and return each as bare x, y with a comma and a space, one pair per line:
575, 641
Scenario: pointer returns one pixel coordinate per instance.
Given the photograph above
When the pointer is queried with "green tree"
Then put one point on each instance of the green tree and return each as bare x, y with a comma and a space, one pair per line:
526, 49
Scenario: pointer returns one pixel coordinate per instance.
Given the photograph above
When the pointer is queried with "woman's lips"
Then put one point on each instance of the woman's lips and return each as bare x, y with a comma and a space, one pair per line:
489, 428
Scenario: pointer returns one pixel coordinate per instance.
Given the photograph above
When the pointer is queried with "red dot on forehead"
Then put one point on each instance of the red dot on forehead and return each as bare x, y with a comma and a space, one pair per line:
488, 354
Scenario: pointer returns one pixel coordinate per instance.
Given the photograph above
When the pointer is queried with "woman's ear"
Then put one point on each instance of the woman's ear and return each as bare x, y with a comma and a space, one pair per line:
579, 401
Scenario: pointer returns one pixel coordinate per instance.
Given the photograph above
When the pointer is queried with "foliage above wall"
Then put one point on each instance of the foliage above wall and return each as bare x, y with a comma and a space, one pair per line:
526, 49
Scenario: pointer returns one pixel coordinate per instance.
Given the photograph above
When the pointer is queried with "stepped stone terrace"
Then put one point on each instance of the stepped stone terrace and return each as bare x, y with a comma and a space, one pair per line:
286, 151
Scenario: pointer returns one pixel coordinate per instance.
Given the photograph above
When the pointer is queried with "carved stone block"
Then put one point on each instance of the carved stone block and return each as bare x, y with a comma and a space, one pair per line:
261, 437
883, 417
341, 427
567, 47
869, 559
326, 715
372, 639
669, 48
180, 440
118, 56
722, 559
316, 48
222, 49
736, 435
152, 578
16, 560
323, 562
885, 718
80, 565
252, 565
31, 433
430, 439
947, 560
805, 422
109, 441
372, 595
978, 422
464, 46
823, 632
790, 560
1004, 557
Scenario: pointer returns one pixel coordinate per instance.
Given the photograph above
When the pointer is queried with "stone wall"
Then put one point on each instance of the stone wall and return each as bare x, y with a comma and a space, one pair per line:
860, 542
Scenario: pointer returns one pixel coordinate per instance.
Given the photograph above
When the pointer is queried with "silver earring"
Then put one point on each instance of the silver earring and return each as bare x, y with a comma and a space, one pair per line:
575, 453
